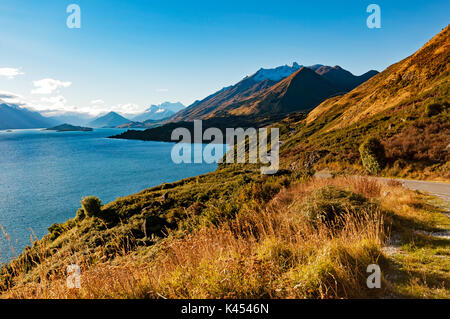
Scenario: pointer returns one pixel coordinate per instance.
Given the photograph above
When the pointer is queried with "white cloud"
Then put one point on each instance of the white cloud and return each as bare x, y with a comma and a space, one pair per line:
162, 90
48, 86
98, 102
94, 109
58, 102
11, 98
10, 72
129, 108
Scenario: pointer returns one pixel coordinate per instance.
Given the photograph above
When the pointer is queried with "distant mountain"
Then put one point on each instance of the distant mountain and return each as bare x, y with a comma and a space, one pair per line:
250, 85
302, 90
112, 119
159, 112
261, 86
153, 113
276, 74
15, 117
174, 107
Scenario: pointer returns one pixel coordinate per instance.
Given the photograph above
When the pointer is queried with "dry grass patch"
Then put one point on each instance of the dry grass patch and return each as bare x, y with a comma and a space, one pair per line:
270, 251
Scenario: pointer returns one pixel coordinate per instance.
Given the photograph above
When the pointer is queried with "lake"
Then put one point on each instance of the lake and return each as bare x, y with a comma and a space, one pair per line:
44, 175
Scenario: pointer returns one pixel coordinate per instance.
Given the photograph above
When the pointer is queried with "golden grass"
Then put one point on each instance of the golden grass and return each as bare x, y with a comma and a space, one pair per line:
265, 252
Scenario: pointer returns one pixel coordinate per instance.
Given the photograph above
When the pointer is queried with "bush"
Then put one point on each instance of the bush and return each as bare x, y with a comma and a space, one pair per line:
330, 204
372, 155
92, 206
433, 109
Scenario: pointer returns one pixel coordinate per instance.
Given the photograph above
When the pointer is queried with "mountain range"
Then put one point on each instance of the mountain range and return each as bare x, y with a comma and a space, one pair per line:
292, 88
13, 117
159, 112
257, 100
268, 92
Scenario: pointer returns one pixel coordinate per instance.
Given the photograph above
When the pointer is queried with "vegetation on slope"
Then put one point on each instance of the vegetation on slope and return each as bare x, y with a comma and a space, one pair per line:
406, 107
416, 144
296, 239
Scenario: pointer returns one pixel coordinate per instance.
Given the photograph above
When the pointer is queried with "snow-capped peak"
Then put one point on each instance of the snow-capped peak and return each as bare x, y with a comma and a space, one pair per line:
277, 73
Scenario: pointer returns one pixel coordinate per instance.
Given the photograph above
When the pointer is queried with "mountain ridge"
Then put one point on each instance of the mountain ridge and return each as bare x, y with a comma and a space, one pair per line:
300, 91
15, 117
159, 112
248, 89
111, 119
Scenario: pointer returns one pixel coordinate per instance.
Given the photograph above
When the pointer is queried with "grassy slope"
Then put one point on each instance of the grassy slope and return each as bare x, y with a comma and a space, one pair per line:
269, 247
392, 106
416, 144
235, 233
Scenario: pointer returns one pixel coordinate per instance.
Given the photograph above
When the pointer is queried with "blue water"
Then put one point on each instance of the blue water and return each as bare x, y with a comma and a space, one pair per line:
44, 174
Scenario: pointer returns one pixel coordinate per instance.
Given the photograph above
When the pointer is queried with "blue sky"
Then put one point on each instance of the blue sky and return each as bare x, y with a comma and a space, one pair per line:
130, 54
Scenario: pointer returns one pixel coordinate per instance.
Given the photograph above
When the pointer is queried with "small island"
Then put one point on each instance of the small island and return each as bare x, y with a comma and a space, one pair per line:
69, 128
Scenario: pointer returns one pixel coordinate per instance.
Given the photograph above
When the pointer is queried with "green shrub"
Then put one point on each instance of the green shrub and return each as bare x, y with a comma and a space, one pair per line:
433, 109
330, 204
92, 206
372, 155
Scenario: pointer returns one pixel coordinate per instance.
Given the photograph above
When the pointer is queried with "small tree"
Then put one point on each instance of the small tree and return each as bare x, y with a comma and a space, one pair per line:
372, 155
91, 205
